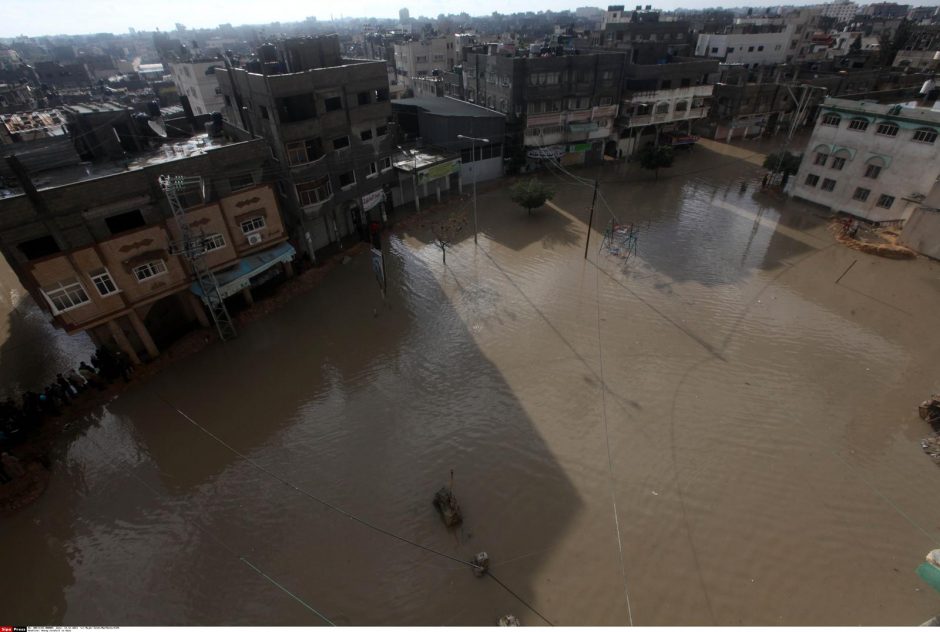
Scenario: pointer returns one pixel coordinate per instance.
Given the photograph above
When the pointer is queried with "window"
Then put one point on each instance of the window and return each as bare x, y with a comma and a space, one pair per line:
381, 95
304, 151
682, 106
872, 171
861, 194
821, 158
365, 134
39, 247
925, 135
373, 170
760, 48
264, 113
828, 185
381, 130
103, 282
730, 49
347, 179
363, 98
341, 142
832, 119
125, 221
228, 101
662, 108
714, 50
887, 129
299, 107
605, 101
685, 83
437, 58
421, 59
812, 180
315, 191
213, 242
885, 201
332, 104
665, 84
149, 270
243, 181
253, 224
66, 295
838, 163
858, 124
386, 163
750, 49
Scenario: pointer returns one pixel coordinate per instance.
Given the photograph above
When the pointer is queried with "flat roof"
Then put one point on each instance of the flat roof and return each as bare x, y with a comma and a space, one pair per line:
447, 106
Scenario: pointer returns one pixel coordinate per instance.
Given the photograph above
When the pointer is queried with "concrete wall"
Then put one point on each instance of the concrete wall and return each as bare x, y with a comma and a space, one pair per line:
716, 46
922, 232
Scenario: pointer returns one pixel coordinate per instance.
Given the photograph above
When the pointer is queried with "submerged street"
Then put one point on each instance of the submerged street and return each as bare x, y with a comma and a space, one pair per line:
719, 430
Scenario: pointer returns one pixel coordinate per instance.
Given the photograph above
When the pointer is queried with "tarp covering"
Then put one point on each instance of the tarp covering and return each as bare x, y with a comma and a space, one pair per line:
238, 277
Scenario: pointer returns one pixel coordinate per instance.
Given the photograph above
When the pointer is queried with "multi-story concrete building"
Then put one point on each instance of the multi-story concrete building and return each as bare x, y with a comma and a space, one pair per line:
873, 161
565, 104
196, 80
662, 98
426, 57
645, 38
98, 247
746, 45
922, 50
326, 119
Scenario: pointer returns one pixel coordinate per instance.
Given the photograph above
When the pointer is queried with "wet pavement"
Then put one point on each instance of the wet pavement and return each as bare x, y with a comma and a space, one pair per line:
720, 430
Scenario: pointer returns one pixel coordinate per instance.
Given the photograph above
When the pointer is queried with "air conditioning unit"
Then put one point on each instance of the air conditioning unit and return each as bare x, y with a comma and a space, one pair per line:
254, 239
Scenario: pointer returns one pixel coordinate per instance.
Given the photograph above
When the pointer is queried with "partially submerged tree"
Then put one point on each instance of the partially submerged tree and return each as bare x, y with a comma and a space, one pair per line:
784, 162
446, 230
530, 194
656, 157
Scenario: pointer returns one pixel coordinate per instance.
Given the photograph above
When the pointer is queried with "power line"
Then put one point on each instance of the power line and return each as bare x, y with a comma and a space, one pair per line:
342, 511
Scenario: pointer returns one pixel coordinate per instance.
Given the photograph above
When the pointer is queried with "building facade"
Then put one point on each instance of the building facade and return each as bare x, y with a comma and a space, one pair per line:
326, 119
197, 81
750, 49
100, 251
873, 161
426, 57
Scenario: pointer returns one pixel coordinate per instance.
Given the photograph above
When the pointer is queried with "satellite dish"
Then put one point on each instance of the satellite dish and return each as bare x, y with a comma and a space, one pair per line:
158, 126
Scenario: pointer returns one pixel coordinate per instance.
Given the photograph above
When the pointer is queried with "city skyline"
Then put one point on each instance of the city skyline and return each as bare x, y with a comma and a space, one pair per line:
58, 17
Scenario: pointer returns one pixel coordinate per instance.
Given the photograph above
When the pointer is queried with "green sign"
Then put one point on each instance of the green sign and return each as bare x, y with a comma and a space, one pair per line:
579, 148
439, 171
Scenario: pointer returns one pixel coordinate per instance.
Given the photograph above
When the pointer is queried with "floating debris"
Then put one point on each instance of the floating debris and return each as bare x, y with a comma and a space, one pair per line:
446, 503
481, 563
508, 620
931, 447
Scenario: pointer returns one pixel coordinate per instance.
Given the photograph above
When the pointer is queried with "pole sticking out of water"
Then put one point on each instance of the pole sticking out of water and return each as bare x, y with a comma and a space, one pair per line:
587, 241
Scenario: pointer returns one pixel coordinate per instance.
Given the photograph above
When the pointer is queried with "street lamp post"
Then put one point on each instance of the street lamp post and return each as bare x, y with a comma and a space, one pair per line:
473, 159
414, 175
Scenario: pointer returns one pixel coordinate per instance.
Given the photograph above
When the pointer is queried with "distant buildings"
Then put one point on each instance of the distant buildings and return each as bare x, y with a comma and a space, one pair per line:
426, 57
763, 47
876, 162
842, 11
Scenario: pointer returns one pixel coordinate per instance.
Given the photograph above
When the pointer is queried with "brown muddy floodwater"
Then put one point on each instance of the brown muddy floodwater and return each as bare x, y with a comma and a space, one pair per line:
747, 406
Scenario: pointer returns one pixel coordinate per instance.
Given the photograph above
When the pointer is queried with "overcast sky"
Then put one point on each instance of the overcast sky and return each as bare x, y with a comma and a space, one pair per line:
53, 17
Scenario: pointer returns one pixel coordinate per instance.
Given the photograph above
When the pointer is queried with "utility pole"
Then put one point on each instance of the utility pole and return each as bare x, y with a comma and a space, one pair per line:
473, 160
590, 220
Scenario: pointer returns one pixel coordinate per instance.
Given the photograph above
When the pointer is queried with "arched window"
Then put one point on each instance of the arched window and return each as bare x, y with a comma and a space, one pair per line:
873, 167
662, 108
859, 124
682, 106
887, 128
925, 135
839, 158
831, 119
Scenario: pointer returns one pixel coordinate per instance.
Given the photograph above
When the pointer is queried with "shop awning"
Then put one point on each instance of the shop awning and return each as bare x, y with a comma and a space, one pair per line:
238, 277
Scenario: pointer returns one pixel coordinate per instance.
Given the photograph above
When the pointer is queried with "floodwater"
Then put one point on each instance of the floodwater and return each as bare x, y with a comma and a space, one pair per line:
720, 430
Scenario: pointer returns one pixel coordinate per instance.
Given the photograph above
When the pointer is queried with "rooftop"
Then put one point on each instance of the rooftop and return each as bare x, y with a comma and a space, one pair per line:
168, 152
908, 110
446, 106
37, 124
93, 108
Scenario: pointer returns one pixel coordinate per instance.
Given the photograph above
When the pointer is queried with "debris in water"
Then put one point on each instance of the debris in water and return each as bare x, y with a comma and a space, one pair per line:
508, 620
929, 410
931, 446
446, 503
481, 563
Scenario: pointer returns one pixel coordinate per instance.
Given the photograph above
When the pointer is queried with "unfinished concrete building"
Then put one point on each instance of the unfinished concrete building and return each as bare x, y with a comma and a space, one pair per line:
326, 119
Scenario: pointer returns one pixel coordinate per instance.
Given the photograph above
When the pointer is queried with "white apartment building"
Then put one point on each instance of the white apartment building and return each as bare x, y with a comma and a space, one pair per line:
198, 82
751, 49
423, 57
841, 11
873, 161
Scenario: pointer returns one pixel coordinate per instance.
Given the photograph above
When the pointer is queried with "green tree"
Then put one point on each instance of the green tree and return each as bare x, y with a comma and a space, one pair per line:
530, 194
656, 157
784, 162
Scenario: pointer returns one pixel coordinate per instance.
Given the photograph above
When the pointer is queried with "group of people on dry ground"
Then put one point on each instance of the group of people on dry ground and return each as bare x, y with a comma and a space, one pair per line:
19, 421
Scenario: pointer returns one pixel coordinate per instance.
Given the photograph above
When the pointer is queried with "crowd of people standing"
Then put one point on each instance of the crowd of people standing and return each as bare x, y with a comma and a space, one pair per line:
21, 420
